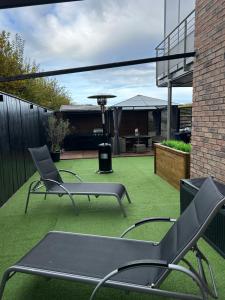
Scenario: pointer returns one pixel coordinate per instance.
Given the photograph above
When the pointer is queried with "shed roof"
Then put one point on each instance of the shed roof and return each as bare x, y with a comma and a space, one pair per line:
141, 102
79, 108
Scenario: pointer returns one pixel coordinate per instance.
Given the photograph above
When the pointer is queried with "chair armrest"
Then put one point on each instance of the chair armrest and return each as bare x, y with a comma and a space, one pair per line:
72, 173
147, 220
36, 185
56, 182
129, 265
144, 262
156, 264
50, 180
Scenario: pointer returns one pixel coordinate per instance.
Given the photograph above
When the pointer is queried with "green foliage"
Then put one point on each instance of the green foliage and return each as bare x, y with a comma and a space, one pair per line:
178, 145
57, 130
42, 91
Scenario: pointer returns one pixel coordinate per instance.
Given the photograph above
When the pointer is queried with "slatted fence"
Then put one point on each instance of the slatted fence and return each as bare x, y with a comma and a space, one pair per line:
21, 126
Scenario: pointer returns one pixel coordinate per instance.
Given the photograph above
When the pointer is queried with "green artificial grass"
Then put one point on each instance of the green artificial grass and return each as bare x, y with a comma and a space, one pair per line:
150, 195
178, 145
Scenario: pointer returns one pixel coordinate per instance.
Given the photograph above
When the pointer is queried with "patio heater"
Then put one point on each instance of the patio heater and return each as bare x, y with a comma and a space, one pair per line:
104, 149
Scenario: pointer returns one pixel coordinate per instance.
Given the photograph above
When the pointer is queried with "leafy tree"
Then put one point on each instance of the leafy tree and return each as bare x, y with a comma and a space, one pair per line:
57, 130
42, 91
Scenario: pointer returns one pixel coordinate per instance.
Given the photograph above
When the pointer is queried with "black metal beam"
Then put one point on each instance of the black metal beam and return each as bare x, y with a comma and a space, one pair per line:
20, 3
96, 67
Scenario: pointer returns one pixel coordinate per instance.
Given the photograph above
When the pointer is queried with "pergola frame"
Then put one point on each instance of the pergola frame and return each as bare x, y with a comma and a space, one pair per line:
20, 3
96, 67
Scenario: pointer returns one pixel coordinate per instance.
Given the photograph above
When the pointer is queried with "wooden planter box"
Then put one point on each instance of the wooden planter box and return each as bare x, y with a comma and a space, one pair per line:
171, 164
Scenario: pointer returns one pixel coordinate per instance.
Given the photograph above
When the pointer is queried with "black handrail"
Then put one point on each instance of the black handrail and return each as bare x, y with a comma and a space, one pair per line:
192, 12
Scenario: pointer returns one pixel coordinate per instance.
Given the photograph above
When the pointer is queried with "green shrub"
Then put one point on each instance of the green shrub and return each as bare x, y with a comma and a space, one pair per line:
178, 145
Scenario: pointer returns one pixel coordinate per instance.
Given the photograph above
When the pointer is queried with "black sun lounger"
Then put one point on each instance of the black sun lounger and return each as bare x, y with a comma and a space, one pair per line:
50, 177
129, 264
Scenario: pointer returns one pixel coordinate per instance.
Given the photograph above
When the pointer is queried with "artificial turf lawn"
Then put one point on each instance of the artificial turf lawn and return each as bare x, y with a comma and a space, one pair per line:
150, 195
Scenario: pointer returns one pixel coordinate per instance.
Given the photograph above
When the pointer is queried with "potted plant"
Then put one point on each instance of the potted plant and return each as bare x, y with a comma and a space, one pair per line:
172, 161
57, 130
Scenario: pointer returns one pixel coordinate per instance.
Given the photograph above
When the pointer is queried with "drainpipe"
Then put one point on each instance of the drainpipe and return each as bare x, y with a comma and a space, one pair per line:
169, 109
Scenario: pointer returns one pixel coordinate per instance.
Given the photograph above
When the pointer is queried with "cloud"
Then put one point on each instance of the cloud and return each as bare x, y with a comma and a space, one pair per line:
90, 30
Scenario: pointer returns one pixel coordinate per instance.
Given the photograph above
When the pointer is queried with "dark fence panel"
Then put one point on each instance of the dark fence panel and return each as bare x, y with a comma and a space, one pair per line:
6, 160
20, 128
15, 140
27, 131
43, 118
185, 116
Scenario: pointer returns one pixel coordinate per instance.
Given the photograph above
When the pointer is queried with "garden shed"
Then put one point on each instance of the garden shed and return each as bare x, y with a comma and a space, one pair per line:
85, 124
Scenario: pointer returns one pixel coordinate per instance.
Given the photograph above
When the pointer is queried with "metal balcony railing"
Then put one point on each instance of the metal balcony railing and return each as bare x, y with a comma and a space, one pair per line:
180, 40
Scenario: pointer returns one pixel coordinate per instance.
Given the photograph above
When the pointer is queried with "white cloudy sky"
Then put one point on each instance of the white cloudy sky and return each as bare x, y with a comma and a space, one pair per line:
94, 32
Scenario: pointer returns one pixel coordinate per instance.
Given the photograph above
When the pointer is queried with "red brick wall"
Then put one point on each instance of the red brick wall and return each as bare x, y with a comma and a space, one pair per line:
208, 138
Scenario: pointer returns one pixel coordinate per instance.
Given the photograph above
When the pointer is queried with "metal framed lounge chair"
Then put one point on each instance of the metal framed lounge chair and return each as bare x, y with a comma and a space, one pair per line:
51, 179
127, 264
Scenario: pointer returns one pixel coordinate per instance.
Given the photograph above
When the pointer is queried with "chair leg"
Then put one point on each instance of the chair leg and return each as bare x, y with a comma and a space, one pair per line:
45, 196
28, 198
5, 278
128, 197
74, 205
89, 199
121, 207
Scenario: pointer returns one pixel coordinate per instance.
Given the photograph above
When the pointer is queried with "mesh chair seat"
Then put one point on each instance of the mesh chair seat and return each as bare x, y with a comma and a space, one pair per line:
90, 256
85, 188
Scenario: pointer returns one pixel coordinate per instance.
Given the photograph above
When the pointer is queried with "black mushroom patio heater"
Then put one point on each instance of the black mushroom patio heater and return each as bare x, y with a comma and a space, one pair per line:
104, 149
